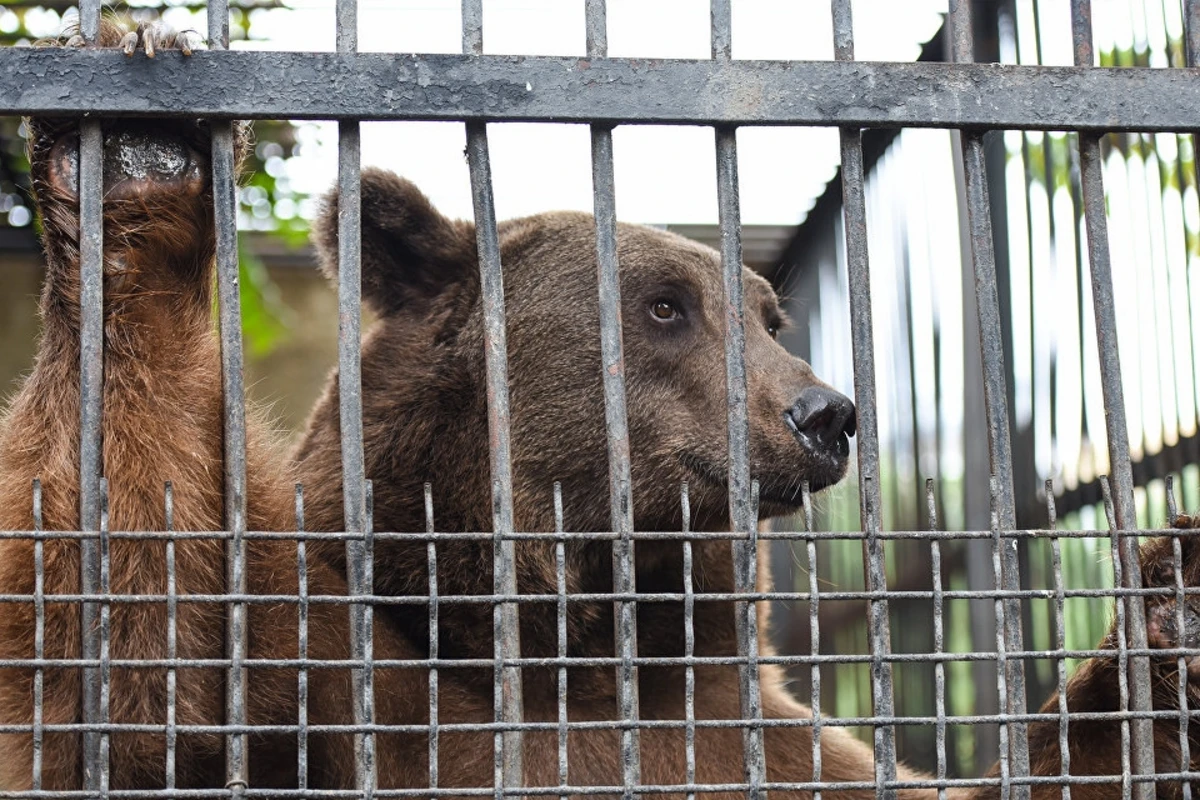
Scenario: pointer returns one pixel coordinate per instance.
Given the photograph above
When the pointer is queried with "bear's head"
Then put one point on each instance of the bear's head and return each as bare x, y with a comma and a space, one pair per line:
424, 373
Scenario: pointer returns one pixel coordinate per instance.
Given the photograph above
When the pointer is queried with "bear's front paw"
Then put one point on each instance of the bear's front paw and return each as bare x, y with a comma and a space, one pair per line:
150, 37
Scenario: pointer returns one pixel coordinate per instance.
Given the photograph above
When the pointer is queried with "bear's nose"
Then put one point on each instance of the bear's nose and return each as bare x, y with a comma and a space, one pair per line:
823, 419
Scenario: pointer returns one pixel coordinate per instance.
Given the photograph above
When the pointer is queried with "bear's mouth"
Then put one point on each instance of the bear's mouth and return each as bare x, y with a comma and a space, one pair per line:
141, 159
775, 490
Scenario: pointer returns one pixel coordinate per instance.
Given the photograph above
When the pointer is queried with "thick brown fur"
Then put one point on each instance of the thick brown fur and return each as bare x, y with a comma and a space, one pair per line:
162, 421
1095, 746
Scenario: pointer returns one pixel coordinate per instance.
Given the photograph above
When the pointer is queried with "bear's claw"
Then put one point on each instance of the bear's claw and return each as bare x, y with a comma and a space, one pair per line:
151, 35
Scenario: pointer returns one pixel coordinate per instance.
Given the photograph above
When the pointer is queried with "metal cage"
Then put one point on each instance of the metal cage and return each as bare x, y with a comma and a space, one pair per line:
723, 93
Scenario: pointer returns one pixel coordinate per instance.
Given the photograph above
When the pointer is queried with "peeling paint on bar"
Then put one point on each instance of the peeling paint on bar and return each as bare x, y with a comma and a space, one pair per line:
378, 86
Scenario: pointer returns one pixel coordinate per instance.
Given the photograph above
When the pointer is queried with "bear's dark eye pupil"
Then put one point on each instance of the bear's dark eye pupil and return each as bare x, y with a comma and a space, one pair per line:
663, 310
773, 331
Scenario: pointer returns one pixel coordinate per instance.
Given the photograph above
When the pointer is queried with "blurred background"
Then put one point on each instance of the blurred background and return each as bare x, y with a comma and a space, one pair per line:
927, 361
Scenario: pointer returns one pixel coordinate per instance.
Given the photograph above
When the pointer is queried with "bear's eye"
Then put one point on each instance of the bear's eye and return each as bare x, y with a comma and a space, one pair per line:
773, 331
664, 310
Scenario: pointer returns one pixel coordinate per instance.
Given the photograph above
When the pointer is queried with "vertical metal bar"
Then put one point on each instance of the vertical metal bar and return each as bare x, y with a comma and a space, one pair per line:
1060, 641
172, 633
1191, 25
366, 695
39, 634
233, 384
939, 634
350, 406
1000, 609
91, 388
991, 345
863, 346
1185, 749
1123, 674
472, 22
1191, 21
560, 588
613, 363
506, 626
722, 29
506, 632
434, 635
689, 645
814, 634
742, 511
105, 638
302, 643
1092, 183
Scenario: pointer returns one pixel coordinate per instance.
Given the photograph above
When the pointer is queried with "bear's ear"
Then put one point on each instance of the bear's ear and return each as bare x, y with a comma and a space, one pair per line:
411, 253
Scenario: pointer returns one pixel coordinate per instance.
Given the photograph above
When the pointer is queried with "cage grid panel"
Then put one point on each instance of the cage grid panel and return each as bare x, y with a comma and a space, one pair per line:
1020, 98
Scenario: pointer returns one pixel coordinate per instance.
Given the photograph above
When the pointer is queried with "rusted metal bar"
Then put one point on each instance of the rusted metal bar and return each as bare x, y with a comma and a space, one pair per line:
814, 631
560, 585
1014, 745
506, 627
612, 357
1121, 471
689, 642
172, 635
431, 566
743, 504
244, 84
39, 638
863, 345
358, 568
91, 405
224, 188
301, 644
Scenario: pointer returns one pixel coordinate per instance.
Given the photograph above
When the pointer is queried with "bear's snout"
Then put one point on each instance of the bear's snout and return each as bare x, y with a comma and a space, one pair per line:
822, 420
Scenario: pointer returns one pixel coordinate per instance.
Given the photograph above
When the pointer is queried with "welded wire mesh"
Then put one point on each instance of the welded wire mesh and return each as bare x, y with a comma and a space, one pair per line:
966, 98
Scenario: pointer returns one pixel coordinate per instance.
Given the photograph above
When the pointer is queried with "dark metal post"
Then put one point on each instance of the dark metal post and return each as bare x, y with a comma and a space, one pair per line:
743, 510
224, 183
431, 566
1015, 757
301, 643
613, 363
506, 628
91, 388
858, 266
358, 567
172, 633
1092, 180
39, 635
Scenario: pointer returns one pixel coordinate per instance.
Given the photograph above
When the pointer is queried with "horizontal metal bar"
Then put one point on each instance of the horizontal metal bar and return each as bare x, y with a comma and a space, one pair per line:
604, 661
604, 597
604, 725
546, 791
258, 85
602, 536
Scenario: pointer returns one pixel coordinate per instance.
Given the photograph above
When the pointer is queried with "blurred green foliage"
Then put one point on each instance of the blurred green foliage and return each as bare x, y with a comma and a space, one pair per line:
267, 199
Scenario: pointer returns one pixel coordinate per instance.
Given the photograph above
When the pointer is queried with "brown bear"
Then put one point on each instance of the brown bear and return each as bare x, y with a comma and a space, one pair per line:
425, 409
425, 419
1095, 746
162, 421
